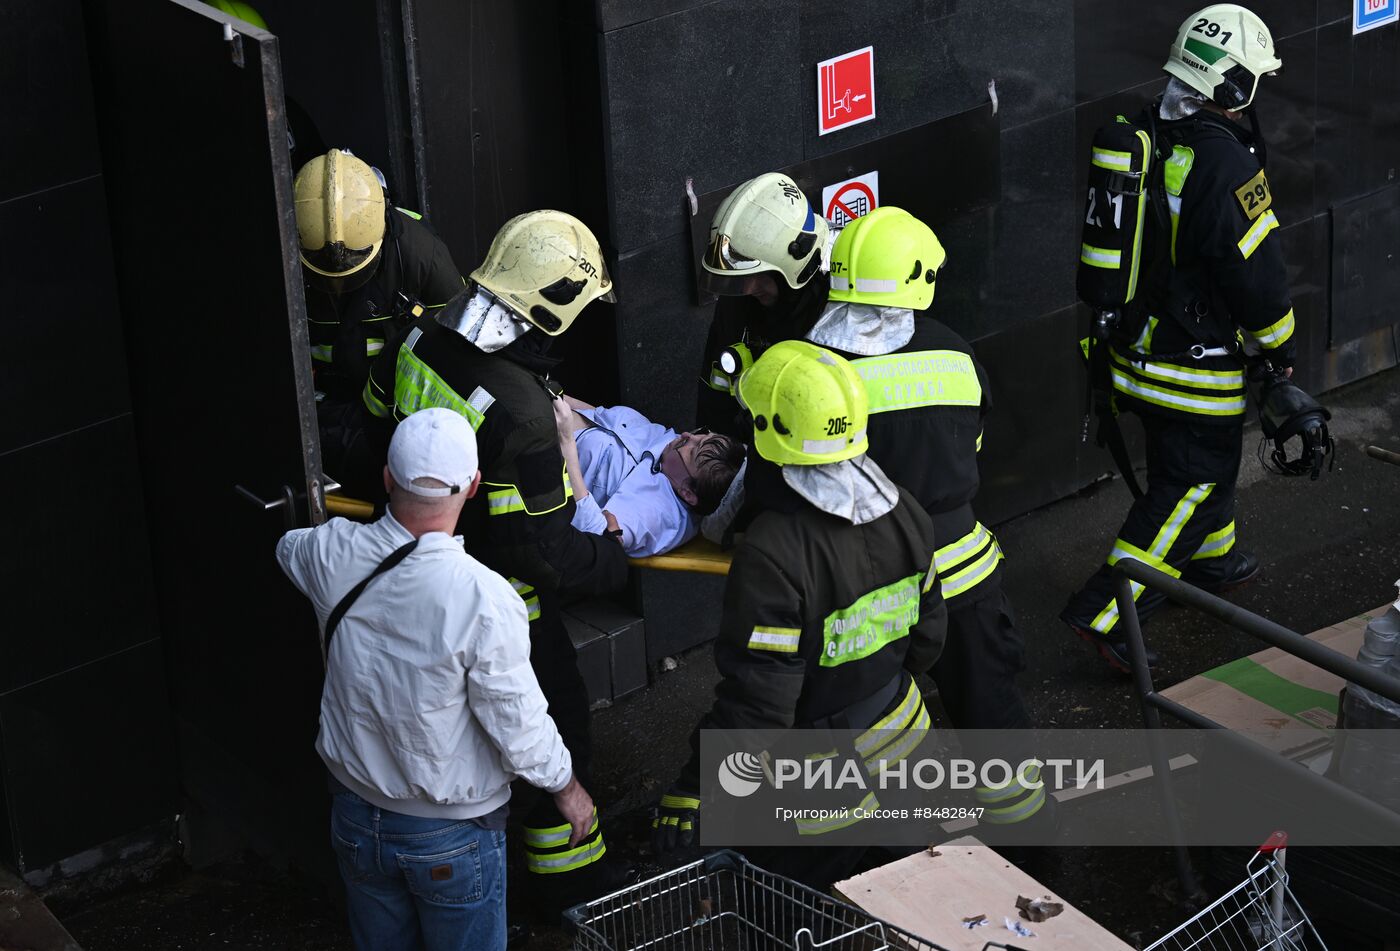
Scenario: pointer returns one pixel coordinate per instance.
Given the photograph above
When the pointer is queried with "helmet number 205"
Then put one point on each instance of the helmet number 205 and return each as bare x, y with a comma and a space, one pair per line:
836, 426
1211, 29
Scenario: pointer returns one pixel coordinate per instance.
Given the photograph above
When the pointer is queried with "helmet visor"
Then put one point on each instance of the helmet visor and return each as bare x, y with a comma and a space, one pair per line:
722, 256
335, 259
737, 285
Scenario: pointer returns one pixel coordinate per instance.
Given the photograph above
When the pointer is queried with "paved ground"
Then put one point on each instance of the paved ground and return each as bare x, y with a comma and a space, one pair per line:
1330, 550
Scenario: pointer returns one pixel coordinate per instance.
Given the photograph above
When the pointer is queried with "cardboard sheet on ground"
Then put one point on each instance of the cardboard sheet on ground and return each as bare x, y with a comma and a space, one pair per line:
931, 895
699, 555
1269, 695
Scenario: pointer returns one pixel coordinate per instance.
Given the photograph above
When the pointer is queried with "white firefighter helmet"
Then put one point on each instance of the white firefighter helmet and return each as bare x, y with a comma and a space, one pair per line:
546, 266
1221, 51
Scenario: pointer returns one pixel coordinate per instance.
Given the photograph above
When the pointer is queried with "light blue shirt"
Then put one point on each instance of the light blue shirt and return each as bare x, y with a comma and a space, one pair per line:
618, 455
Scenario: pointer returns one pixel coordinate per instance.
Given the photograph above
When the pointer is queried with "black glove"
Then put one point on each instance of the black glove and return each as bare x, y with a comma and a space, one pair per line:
675, 820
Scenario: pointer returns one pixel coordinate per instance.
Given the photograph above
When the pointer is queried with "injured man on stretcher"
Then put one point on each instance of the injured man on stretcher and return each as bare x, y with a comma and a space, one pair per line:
643, 483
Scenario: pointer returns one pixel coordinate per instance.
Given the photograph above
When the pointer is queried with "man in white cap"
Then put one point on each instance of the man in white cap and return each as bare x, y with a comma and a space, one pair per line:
430, 707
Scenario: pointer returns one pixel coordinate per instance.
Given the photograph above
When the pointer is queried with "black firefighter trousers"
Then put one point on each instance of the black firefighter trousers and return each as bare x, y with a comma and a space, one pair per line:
1184, 522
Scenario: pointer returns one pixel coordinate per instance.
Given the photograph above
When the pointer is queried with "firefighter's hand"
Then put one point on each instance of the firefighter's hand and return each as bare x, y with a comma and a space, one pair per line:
576, 806
675, 820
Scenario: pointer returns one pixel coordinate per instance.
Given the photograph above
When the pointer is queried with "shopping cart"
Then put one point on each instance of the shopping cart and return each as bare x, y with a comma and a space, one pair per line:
1259, 914
723, 903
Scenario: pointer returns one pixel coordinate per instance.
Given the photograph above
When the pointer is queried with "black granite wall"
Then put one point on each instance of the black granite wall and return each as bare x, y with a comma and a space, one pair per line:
86, 743
722, 90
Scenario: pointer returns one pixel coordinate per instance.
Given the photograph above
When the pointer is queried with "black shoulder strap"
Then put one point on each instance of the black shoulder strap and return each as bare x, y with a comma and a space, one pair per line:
396, 556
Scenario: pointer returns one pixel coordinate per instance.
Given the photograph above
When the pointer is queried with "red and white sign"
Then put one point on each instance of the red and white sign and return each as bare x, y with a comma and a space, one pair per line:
846, 90
854, 198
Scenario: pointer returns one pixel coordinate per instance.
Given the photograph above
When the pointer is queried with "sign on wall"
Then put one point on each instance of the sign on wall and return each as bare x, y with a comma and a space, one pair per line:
846, 89
1369, 14
854, 198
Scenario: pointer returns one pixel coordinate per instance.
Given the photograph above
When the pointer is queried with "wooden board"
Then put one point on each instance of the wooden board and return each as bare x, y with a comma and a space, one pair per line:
1280, 701
699, 555
930, 895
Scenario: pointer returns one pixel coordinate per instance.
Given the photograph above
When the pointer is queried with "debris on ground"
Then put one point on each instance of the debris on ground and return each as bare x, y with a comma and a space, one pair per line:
976, 921
1038, 909
1018, 929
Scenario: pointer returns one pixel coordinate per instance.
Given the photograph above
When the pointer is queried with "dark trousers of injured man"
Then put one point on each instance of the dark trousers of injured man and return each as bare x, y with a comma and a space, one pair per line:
560, 876
1184, 522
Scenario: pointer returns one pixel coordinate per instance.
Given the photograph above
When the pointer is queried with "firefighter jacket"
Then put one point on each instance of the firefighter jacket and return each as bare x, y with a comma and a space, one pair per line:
745, 320
519, 522
1216, 283
349, 330
821, 615
928, 399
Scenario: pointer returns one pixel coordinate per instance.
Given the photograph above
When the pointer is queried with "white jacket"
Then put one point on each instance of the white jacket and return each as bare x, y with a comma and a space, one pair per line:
430, 706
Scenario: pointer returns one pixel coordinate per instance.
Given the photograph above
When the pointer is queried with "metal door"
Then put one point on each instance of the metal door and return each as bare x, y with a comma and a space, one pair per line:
195, 154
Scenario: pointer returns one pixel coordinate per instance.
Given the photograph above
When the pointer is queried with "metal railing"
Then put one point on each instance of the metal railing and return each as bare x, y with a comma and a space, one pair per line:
1153, 704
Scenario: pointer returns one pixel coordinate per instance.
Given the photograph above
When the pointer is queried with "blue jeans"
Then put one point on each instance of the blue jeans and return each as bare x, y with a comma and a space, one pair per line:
419, 884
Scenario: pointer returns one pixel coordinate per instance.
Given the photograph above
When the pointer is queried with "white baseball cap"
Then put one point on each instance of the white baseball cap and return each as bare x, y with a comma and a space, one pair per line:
433, 443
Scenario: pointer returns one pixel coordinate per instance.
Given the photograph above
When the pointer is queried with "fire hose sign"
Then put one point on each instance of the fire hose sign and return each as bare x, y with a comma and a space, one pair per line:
854, 198
846, 90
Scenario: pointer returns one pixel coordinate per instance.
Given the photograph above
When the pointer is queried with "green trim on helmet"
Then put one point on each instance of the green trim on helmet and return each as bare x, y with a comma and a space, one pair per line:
1207, 53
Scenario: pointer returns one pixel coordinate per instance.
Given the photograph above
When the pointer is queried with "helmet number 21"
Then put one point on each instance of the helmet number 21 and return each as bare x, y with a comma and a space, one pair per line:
1114, 201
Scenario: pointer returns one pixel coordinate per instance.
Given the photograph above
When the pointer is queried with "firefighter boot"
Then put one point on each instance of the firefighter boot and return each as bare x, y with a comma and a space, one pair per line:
1221, 574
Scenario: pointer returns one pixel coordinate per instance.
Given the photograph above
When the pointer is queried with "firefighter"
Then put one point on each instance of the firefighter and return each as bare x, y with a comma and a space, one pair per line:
1214, 302
928, 399
485, 355
764, 261
833, 537
370, 269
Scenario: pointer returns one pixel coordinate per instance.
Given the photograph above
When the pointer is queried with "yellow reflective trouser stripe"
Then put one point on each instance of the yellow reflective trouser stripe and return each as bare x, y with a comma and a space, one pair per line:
919, 378
903, 743
950, 555
373, 345
554, 836
1125, 382
1257, 233
322, 352
1100, 257
840, 820
1277, 333
1161, 545
569, 861
1018, 812
897, 719
989, 794
781, 640
965, 579
1217, 543
417, 386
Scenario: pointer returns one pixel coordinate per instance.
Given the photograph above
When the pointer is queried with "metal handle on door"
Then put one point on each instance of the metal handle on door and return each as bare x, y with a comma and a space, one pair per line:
287, 503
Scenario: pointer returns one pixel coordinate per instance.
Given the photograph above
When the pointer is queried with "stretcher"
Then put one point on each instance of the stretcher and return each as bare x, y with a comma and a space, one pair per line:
699, 555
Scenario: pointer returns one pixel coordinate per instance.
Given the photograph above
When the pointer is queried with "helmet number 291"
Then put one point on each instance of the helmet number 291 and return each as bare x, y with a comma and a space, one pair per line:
1211, 29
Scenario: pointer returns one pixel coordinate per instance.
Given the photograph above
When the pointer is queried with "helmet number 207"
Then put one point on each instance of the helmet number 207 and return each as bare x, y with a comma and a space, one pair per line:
1114, 201
1211, 29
